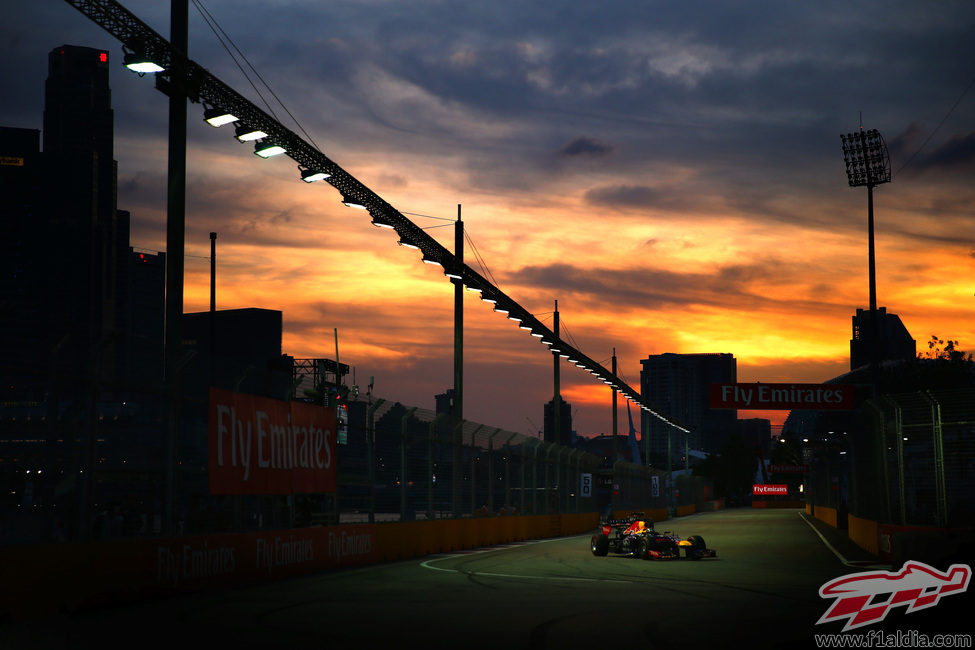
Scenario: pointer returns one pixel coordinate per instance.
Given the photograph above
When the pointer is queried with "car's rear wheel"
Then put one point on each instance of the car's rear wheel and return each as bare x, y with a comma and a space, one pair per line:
599, 545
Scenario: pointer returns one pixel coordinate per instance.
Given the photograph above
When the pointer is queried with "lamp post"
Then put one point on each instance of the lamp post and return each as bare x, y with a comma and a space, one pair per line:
557, 399
868, 164
615, 408
457, 412
175, 231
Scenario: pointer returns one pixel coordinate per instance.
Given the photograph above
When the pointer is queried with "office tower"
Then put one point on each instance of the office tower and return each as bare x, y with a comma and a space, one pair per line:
678, 385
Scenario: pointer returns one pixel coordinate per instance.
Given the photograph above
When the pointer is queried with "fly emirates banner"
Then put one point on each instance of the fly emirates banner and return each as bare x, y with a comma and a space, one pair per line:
259, 445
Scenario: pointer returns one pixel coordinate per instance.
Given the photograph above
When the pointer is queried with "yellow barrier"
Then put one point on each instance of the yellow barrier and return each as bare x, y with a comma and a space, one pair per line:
826, 515
864, 533
41, 580
417, 538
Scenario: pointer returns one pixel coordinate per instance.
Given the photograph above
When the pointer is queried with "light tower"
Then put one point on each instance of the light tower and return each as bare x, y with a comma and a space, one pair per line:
868, 164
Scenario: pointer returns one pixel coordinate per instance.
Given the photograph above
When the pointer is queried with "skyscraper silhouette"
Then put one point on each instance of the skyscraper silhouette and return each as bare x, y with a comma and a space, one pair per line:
86, 236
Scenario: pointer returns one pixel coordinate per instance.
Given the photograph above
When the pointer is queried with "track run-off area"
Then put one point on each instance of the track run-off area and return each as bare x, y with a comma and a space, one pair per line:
762, 590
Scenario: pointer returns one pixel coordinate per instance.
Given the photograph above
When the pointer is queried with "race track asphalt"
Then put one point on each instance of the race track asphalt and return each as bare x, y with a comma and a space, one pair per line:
762, 591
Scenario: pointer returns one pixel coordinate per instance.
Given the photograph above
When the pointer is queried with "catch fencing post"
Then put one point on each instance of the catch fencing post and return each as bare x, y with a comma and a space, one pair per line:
402, 462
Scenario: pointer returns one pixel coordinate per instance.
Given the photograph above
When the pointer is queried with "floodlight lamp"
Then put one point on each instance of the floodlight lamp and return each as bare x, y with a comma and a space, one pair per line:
500, 310
312, 175
514, 318
866, 157
407, 244
474, 289
453, 275
538, 335
266, 149
218, 117
379, 222
244, 133
430, 260
488, 298
140, 63
352, 203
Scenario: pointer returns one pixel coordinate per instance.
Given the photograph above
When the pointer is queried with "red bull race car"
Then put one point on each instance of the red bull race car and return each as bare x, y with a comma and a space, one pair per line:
636, 537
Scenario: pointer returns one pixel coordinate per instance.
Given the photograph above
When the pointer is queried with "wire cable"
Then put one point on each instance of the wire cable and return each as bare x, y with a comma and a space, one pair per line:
940, 124
208, 17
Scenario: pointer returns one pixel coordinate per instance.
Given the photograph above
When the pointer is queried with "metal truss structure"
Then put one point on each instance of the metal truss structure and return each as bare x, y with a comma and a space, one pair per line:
181, 74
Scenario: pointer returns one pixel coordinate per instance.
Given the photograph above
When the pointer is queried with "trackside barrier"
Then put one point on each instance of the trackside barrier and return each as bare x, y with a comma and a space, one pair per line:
656, 514
864, 533
779, 504
399, 541
47, 579
712, 506
826, 515
939, 547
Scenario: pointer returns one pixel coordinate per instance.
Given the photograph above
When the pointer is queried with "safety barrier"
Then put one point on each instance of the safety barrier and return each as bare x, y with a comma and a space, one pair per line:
47, 579
826, 515
864, 533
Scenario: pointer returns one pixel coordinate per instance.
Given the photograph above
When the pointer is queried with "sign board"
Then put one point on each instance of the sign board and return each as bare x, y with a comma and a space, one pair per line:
585, 490
259, 445
770, 489
782, 397
655, 486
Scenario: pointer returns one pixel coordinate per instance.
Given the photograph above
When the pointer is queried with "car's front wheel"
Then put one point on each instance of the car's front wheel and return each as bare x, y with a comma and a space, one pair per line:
643, 549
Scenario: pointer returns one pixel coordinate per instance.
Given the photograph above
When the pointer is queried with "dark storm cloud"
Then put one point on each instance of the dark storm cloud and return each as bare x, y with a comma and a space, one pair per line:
716, 86
956, 153
654, 288
628, 196
585, 146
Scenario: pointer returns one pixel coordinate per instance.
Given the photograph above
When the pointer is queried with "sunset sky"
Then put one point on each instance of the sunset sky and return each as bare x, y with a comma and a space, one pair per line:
671, 173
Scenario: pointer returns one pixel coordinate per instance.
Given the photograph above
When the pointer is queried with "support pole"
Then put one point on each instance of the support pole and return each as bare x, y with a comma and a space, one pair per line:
615, 449
370, 451
175, 233
404, 429
213, 308
457, 410
557, 399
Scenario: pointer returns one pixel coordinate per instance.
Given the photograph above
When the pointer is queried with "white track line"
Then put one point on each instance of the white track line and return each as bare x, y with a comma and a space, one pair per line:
849, 563
428, 564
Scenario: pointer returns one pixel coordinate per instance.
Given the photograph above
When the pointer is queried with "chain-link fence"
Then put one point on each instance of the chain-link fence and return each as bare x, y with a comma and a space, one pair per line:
425, 466
909, 459
77, 477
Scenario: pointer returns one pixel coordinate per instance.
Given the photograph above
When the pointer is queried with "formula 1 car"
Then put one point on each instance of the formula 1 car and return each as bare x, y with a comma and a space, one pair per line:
636, 537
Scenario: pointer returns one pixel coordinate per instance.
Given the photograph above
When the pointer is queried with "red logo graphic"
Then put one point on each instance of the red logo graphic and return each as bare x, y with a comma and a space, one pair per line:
865, 598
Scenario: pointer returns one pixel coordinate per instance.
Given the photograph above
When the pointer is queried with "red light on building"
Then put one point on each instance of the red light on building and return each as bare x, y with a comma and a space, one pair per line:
103, 57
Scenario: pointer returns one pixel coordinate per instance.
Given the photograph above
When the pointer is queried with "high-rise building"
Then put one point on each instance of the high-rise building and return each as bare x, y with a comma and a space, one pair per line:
893, 343
86, 238
679, 385
143, 316
564, 434
21, 278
